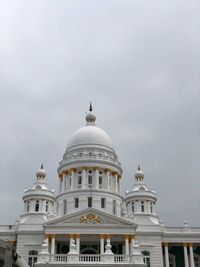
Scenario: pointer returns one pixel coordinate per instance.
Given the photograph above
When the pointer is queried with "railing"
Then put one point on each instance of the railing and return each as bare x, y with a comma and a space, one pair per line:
122, 258
86, 259
182, 229
58, 258
7, 227
90, 258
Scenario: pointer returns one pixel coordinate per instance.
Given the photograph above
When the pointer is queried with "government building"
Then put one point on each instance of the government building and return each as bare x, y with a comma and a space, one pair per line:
89, 222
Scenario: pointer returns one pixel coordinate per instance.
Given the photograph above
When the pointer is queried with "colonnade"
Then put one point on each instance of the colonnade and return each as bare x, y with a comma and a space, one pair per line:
103, 240
69, 175
188, 257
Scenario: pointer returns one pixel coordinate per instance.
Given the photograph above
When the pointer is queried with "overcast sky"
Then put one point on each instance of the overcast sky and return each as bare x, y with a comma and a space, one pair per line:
138, 61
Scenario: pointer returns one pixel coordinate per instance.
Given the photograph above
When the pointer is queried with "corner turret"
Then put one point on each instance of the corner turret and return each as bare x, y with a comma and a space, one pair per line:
141, 201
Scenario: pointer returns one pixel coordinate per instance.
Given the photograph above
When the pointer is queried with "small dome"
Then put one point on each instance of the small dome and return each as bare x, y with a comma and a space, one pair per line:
90, 134
139, 173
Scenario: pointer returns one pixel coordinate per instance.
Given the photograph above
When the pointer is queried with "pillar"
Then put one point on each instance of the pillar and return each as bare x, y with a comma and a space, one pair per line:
116, 183
63, 182
166, 255
107, 171
126, 237
60, 184
131, 244
84, 169
185, 255
191, 255
72, 178
96, 177
53, 244
78, 243
101, 244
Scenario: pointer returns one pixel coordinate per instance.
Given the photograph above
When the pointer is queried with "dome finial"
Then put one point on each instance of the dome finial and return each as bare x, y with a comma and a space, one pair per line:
42, 167
138, 168
90, 108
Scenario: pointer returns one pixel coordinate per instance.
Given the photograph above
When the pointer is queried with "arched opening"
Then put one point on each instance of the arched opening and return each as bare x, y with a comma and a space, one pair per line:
89, 251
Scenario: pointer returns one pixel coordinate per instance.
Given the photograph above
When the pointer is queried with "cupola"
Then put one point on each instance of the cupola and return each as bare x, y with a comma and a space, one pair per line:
38, 200
141, 201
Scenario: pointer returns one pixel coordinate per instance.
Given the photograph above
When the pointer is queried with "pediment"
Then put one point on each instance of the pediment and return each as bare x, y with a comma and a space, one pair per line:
90, 217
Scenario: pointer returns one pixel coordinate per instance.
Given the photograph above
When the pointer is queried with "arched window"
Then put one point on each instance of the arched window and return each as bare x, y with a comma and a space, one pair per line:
28, 206
146, 257
32, 258
47, 205
37, 205
132, 207
142, 206
151, 207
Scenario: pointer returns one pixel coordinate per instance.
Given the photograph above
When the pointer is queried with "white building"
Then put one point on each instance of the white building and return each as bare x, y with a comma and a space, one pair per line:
89, 222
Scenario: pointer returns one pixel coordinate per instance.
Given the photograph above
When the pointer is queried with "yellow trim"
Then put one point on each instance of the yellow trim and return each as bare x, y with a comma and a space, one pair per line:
96, 168
84, 168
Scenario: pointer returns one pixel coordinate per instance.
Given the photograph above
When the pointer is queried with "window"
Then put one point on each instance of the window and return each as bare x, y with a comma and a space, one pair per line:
146, 257
114, 207
132, 207
103, 202
151, 207
142, 206
47, 205
37, 205
90, 181
89, 202
79, 180
32, 258
76, 202
28, 206
64, 206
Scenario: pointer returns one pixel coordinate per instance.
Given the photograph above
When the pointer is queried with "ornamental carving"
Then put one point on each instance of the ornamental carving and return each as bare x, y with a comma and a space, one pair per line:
90, 218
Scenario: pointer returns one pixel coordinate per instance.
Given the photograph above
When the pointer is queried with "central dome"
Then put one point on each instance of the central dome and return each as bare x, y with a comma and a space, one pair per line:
90, 135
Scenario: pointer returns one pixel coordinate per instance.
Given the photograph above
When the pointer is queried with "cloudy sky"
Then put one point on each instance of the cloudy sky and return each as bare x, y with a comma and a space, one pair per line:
138, 61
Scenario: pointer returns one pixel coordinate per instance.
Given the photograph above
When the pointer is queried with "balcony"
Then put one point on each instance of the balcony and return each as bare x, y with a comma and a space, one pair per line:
91, 259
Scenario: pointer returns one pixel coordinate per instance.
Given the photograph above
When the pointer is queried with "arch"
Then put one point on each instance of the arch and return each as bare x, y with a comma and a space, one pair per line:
89, 250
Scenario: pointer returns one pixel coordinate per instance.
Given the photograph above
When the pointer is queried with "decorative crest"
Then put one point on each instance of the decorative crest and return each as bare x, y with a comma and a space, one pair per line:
42, 167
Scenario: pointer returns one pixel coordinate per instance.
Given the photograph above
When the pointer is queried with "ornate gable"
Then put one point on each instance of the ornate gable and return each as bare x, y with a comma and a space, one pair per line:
90, 217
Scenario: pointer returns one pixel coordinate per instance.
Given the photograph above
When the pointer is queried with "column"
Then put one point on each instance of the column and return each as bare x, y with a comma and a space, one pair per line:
126, 237
53, 244
63, 182
185, 255
107, 171
131, 244
191, 255
78, 243
96, 177
166, 255
72, 178
46, 237
84, 169
60, 184
101, 244
116, 183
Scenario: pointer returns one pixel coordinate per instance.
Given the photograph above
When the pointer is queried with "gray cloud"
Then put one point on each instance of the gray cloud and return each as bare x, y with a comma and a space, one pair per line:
138, 61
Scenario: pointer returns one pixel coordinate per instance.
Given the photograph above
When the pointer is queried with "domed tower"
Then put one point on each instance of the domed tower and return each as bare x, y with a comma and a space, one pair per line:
38, 200
90, 172
141, 201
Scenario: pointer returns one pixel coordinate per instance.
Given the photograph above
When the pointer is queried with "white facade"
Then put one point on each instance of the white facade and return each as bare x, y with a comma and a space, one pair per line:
89, 222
